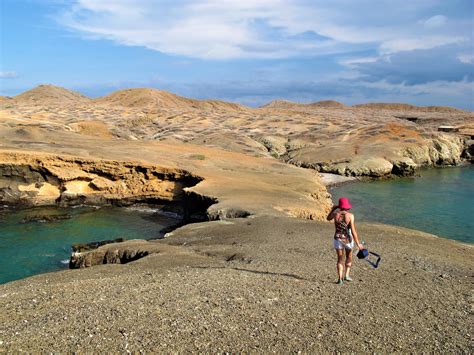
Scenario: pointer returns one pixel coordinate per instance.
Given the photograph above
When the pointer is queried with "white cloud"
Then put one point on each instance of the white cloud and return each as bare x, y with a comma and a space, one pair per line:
435, 21
361, 60
466, 58
8, 74
228, 29
422, 42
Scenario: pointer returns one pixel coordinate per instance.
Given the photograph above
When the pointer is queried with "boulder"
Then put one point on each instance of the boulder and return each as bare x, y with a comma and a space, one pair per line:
403, 166
369, 166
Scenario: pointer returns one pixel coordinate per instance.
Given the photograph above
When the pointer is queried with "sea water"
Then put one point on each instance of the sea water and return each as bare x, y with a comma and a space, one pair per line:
438, 201
38, 246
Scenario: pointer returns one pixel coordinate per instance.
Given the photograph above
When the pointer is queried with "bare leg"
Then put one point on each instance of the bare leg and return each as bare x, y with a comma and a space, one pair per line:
348, 262
340, 263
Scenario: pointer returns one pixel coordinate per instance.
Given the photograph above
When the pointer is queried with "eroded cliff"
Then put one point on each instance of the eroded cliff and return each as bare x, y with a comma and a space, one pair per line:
32, 180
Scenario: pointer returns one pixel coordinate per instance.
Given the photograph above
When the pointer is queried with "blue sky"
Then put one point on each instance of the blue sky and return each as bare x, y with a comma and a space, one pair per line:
247, 51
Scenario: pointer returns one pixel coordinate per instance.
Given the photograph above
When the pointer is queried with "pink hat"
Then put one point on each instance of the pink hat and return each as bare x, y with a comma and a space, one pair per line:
344, 203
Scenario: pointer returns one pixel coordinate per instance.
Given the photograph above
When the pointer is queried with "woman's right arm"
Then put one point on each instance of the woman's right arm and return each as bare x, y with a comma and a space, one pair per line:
354, 233
331, 214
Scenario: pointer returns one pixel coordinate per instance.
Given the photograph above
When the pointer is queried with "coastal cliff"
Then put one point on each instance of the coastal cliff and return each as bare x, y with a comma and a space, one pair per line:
383, 160
60, 180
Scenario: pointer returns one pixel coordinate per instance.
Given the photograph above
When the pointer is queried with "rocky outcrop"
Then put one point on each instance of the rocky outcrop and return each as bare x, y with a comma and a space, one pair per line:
53, 180
45, 218
441, 150
118, 253
82, 247
468, 153
382, 160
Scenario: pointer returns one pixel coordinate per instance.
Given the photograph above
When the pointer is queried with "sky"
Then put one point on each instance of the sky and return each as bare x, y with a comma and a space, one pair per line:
248, 51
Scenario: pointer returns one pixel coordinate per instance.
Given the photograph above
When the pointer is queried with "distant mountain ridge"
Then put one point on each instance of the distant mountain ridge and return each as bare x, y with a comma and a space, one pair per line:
285, 104
150, 98
406, 107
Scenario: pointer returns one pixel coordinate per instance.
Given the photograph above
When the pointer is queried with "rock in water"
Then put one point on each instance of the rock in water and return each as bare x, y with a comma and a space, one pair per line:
82, 247
45, 218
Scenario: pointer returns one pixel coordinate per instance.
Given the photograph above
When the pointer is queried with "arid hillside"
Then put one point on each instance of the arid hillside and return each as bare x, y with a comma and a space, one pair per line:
375, 139
144, 98
45, 95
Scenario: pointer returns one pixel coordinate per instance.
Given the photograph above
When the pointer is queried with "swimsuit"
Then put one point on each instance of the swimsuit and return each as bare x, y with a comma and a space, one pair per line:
343, 234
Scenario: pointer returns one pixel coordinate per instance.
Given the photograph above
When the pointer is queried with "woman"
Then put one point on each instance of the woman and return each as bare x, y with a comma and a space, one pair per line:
343, 237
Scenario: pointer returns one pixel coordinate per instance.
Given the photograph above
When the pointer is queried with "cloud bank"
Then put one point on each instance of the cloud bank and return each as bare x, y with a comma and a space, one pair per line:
230, 29
372, 50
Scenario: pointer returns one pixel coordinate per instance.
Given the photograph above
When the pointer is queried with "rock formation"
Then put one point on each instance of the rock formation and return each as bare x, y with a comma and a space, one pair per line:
48, 180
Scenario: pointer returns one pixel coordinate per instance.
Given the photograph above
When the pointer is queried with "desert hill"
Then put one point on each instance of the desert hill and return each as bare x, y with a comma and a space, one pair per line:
50, 95
406, 107
327, 104
147, 98
393, 106
150, 98
5, 100
288, 105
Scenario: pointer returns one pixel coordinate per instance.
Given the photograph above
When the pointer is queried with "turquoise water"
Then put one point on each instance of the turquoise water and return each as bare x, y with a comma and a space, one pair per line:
36, 247
440, 201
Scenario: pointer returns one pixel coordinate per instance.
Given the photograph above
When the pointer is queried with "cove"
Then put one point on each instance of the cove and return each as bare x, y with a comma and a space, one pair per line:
438, 201
38, 240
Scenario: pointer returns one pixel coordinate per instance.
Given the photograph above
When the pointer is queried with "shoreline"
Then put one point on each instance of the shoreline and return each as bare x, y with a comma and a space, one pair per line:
366, 195
332, 181
60, 230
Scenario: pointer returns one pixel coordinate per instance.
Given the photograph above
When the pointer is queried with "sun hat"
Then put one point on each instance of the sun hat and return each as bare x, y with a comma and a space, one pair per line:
344, 203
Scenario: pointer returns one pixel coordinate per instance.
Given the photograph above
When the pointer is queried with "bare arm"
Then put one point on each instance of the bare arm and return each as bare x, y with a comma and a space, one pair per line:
354, 233
332, 213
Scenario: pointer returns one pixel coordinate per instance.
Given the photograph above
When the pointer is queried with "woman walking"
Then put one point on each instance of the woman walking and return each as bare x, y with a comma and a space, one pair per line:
344, 238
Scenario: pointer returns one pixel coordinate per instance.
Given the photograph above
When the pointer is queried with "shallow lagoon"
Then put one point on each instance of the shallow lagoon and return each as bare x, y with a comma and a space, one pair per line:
439, 201
36, 247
